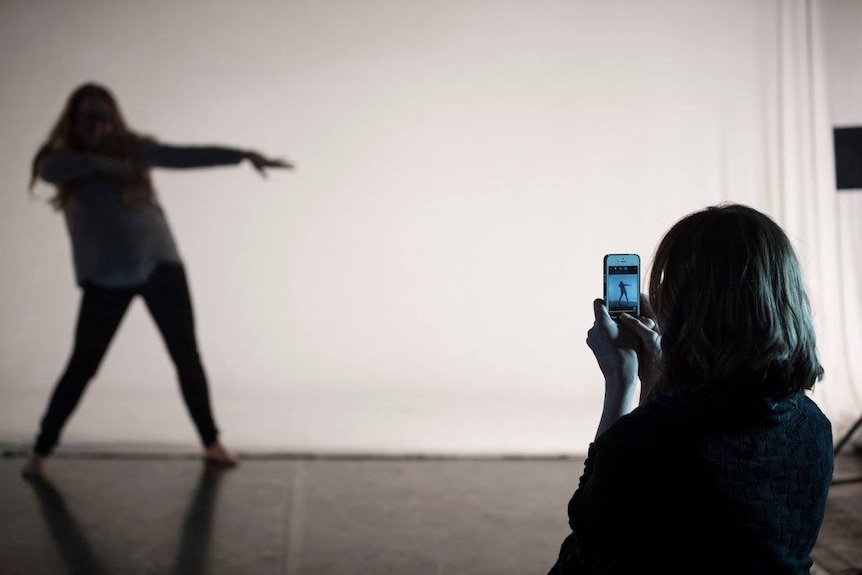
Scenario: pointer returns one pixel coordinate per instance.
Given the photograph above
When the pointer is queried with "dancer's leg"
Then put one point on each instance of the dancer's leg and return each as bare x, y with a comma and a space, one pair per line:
167, 296
99, 317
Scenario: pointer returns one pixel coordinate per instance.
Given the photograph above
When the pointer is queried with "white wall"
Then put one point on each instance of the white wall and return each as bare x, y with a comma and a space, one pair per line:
841, 24
423, 281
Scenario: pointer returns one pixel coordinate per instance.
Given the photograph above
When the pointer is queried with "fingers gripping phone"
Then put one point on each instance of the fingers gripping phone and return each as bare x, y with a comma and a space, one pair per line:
622, 277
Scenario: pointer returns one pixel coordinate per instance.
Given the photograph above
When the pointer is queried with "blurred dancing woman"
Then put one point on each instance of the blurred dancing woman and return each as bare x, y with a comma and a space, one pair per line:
726, 464
122, 247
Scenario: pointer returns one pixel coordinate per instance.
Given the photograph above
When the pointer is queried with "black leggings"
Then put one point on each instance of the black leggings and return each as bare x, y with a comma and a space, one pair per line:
166, 294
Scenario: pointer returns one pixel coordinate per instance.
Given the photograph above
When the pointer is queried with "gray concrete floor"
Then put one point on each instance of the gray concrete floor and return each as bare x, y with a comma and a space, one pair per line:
285, 517
304, 516
839, 547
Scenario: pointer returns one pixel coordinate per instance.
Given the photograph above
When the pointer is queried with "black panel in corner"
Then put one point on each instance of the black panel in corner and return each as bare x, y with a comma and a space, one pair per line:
848, 158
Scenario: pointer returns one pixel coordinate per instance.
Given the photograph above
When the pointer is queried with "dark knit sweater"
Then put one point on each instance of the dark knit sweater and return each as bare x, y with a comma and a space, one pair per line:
702, 485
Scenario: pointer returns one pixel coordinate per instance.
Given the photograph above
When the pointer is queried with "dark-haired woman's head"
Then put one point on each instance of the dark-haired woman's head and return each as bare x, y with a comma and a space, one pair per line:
95, 118
728, 294
91, 121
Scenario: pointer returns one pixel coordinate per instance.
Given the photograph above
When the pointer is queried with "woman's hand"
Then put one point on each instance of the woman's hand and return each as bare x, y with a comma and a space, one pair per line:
615, 348
261, 162
649, 349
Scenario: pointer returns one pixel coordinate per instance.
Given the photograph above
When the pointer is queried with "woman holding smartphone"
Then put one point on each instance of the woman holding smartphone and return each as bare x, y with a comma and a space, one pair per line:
725, 465
122, 247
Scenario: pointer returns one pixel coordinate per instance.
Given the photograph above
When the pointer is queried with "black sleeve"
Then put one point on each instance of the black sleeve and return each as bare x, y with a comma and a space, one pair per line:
58, 168
154, 154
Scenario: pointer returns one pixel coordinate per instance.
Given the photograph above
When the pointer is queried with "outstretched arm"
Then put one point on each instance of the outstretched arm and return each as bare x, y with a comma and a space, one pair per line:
166, 156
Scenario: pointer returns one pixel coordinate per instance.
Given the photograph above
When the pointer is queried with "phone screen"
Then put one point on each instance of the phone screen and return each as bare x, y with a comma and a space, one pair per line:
622, 284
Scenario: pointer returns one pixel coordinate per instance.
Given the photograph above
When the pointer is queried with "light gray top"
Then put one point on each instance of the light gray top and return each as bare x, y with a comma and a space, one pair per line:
115, 244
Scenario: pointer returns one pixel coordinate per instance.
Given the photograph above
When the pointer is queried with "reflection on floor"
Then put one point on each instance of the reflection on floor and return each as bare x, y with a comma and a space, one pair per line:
316, 516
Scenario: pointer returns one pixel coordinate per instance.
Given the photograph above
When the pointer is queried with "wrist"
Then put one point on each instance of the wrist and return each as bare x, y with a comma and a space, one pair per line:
618, 402
620, 383
619, 398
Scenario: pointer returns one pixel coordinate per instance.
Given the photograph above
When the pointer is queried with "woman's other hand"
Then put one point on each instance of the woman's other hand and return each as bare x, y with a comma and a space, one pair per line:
261, 162
649, 349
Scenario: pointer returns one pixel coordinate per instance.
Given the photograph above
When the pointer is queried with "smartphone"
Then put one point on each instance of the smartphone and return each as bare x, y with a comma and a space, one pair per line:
622, 275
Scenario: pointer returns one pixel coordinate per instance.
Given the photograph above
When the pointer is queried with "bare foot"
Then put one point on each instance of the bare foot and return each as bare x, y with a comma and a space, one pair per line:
218, 454
34, 468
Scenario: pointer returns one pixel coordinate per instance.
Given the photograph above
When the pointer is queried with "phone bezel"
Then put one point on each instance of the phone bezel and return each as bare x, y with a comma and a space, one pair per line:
621, 259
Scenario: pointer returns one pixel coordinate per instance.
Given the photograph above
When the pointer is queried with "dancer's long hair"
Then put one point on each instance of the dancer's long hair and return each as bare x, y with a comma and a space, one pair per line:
121, 144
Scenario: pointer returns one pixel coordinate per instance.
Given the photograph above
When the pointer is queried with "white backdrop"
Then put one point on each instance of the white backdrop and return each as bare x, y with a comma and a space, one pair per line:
841, 23
423, 281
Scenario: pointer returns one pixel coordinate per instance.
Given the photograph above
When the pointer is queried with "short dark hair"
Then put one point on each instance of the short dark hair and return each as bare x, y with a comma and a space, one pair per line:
727, 291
